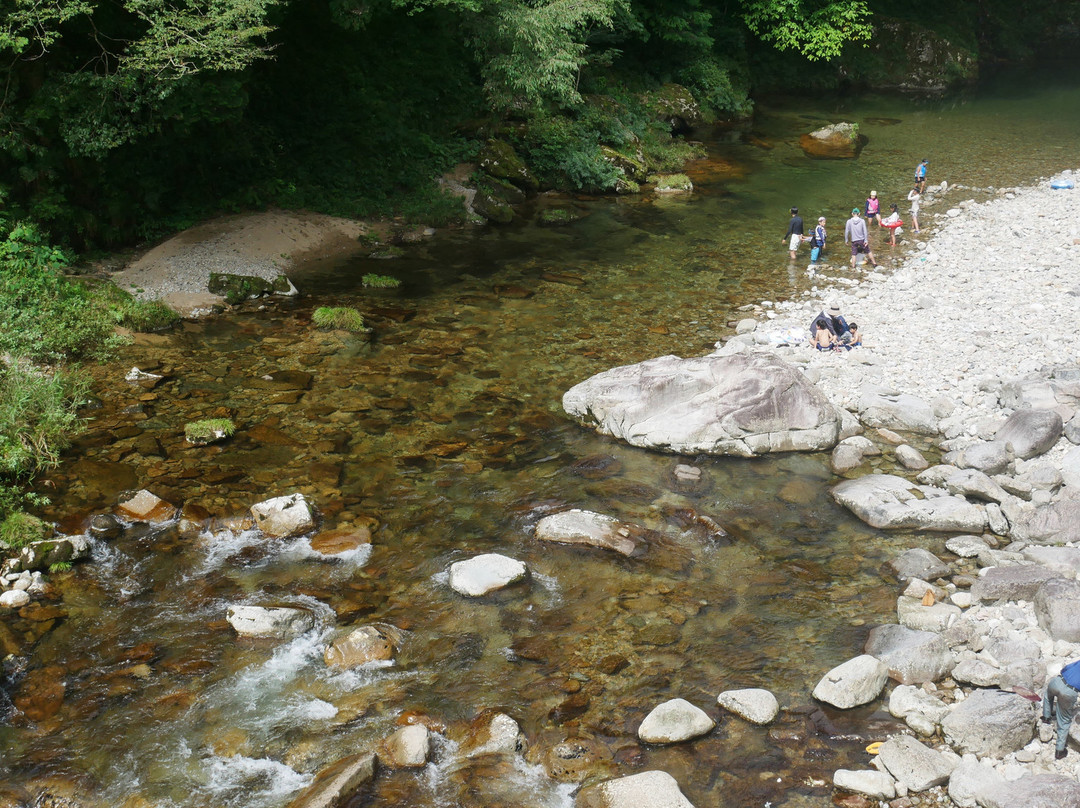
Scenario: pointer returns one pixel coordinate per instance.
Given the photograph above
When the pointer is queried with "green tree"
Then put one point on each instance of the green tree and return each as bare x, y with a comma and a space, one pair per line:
818, 29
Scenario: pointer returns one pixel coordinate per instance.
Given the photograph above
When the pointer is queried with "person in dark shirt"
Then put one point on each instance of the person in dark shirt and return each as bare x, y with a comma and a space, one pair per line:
1060, 699
794, 234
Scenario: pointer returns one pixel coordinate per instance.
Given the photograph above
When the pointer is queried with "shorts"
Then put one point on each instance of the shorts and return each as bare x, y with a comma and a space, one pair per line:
859, 247
795, 241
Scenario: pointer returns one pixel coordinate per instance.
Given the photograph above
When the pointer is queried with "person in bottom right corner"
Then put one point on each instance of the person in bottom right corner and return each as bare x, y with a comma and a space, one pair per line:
1060, 698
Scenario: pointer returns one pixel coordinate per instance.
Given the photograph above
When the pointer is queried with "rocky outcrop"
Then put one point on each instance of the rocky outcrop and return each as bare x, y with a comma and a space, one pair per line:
743, 405
886, 501
835, 142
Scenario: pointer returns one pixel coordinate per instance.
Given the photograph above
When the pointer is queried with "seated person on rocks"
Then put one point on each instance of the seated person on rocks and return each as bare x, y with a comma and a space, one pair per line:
834, 322
823, 338
856, 336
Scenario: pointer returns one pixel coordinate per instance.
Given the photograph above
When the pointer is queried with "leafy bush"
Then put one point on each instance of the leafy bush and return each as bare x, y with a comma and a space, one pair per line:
37, 418
374, 281
146, 315
341, 317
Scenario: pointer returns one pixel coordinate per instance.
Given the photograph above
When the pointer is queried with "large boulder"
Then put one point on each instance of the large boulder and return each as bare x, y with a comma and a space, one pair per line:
905, 412
887, 501
904, 55
913, 657
857, 681
338, 783
499, 159
653, 789
991, 457
1056, 523
1013, 582
1057, 608
1031, 432
973, 782
836, 141
918, 564
594, 530
283, 517
675, 721
1035, 791
742, 404
989, 723
485, 573
915, 766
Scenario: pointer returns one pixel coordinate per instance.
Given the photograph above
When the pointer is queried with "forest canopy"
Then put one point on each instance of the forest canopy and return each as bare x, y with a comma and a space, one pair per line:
124, 119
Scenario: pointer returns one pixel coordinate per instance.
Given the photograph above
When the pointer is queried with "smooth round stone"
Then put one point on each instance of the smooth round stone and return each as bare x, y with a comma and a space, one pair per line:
754, 704
14, 599
674, 721
485, 573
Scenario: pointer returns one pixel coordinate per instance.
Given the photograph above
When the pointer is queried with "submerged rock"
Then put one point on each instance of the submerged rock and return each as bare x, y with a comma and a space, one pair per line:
359, 647
144, 506
593, 529
743, 405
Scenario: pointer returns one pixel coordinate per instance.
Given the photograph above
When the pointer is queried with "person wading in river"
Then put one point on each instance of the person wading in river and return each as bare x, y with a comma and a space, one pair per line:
794, 234
856, 235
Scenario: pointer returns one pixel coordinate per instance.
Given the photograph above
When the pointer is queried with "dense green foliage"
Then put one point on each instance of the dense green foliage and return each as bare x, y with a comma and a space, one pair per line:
339, 317
127, 119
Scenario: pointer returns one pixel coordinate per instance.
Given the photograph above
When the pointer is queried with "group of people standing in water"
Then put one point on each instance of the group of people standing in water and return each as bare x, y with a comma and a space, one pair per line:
855, 231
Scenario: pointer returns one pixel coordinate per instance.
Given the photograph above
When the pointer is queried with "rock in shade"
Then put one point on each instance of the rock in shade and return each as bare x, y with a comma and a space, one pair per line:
593, 529
913, 657
280, 622
1057, 608
358, 647
742, 404
989, 723
1031, 432
753, 704
915, 766
337, 784
144, 506
890, 502
652, 789
283, 517
857, 681
485, 573
408, 748
674, 721
874, 784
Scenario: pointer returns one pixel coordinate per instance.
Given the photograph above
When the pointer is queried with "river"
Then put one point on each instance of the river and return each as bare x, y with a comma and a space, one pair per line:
445, 432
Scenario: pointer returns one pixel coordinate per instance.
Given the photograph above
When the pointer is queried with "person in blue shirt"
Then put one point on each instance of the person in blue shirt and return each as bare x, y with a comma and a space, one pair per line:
1061, 694
920, 175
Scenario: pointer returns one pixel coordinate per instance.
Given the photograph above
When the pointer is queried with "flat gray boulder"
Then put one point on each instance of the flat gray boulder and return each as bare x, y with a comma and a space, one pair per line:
1013, 582
1057, 608
974, 484
675, 721
991, 457
911, 458
594, 530
918, 564
653, 789
915, 766
868, 782
967, 546
754, 704
1035, 791
893, 503
904, 412
488, 572
857, 681
1056, 523
741, 404
912, 613
1031, 432
1065, 560
912, 657
989, 723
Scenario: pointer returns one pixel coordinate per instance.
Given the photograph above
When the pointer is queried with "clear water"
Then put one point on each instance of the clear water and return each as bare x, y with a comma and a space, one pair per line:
447, 433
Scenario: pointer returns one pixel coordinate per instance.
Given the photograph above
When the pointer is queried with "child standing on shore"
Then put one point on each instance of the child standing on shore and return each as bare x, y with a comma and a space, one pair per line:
818, 240
914, 195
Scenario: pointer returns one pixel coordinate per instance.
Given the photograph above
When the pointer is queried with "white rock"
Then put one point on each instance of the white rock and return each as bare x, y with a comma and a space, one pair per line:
485, 573
674, 721
281, 622
754, 704
874, 784
14, 599
857, 681
282, 517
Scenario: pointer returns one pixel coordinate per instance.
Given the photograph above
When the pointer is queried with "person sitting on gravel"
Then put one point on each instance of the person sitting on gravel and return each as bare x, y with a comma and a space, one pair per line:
1060, 699
824, 340
856, 336
834, 323
855, 233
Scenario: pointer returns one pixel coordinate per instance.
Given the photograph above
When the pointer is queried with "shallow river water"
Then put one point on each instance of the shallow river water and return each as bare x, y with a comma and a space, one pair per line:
445, 434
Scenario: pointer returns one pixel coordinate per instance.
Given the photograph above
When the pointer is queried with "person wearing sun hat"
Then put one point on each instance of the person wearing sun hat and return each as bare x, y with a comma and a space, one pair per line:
831, 319
856, 235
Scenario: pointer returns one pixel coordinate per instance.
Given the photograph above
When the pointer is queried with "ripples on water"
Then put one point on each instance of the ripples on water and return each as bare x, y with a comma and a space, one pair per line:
447, 433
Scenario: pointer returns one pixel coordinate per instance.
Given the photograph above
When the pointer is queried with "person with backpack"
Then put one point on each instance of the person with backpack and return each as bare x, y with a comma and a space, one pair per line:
1060, 698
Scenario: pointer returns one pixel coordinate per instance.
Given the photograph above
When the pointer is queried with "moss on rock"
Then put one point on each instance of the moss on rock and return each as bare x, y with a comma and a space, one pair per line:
499, 159
238, 288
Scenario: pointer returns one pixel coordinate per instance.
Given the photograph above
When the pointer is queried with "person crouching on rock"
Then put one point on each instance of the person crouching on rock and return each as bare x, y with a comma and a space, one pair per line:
855, 234
1061, 694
